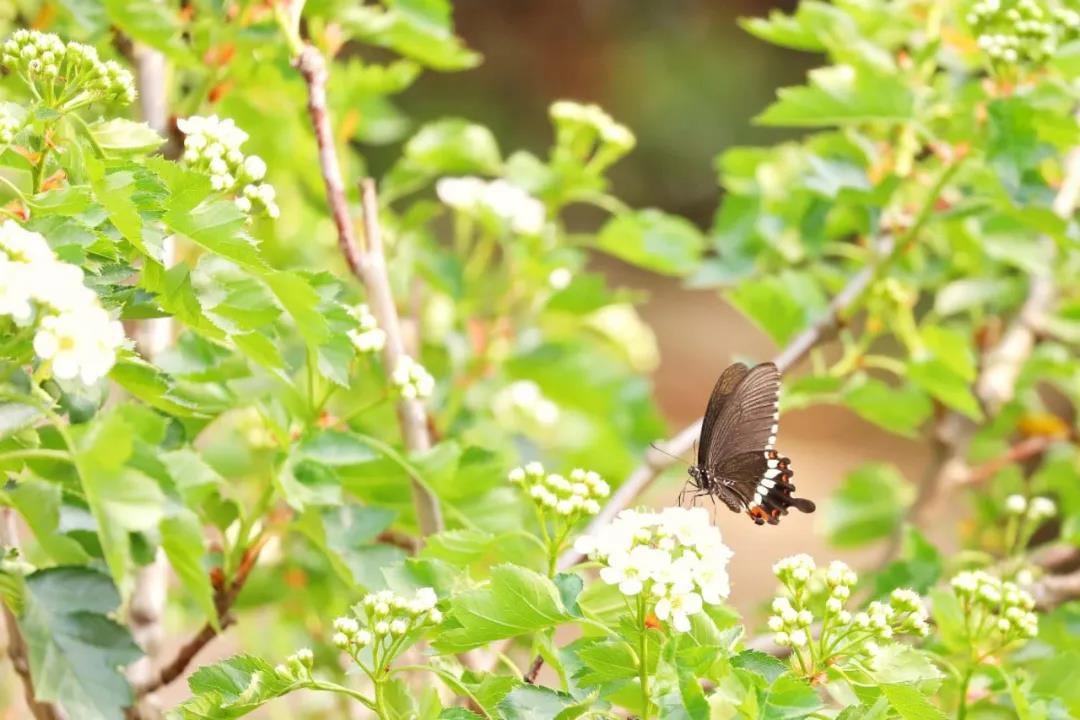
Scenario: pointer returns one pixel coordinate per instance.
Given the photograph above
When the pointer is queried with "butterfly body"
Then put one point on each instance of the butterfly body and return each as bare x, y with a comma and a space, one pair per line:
737, 461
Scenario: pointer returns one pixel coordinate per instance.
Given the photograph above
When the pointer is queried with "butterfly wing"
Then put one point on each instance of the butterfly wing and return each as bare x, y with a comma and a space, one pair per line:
747, 418
726, 384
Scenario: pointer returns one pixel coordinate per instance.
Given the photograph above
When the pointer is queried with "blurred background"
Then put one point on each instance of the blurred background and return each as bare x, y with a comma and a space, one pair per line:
688, 81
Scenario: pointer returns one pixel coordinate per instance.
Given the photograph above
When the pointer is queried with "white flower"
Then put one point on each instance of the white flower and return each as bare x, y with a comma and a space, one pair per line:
80, 344
463, 193
630, 571
799, 638
522, 405
1015, 505
679, 607
16, 288
1042, 508
524, 213
559, 278
212, 146
367, 337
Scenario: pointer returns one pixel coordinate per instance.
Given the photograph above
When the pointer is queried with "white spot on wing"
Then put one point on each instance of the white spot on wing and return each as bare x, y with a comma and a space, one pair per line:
772, 472
757, 498
771, 442
772, 463
768, 484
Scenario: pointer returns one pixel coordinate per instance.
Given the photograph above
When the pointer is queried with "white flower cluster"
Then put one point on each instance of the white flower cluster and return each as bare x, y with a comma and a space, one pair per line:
569, 113
67, 76
573, 498
74, 333
1025, 30
367, 337
506, 201
844, 633
521, 404
387, 617
212, 146
1039, 508
674, 558
998, 612
622, 325
411, 379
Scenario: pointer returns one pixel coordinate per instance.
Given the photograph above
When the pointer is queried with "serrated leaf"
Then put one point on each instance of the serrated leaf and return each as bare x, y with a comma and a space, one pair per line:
605, 661
183, 543
788, 698
760, 663
530, 702
900, 410
910, 704
842, 95
653, 240
39, 503
418, 29
516, 602
232, 688
75, 652
121, 498
867, 506
122, 136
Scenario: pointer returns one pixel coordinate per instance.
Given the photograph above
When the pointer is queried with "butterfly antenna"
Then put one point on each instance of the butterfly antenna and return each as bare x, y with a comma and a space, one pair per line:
659, 449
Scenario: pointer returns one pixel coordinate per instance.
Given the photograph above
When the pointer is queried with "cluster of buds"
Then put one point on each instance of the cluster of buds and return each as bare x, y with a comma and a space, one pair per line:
522, 405
498, 198
571, 498
384, 619
589, 134
675, 561
411, 380
367, 337
212, 146
997, 612
66, 76
73, 333
1021, 31
1035, 510
9, 127
297, 666
842, 634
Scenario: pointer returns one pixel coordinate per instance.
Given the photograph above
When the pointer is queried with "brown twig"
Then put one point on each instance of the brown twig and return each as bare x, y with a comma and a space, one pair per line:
1024, 450
661, 458
224, 598
534, 670
369, 266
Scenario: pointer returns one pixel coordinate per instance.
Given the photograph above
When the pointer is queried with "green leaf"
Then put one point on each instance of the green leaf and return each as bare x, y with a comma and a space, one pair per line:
910, 704
900, 410
788, 698
182, 541
843, 95
940, 381
867, 506
76, 652
347, 536
113, 191
16, 416
122, 499
653, 240
233, 688
418, 29
677, 691
605, 661
760, 663
919, 566
899, 663
529, 702
39, 503
453, 146
772, 307
120, 136
306, 482
517, 601
146, 382
949, 619
153, 23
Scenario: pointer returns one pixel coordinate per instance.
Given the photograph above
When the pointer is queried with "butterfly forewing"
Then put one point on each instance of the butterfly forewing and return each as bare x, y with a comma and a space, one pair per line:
725, 385
747, 419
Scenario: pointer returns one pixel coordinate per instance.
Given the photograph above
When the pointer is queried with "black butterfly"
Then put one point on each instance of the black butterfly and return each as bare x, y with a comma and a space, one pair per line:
737, 459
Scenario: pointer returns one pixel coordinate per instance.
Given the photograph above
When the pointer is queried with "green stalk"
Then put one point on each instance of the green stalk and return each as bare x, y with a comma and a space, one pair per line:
643, 656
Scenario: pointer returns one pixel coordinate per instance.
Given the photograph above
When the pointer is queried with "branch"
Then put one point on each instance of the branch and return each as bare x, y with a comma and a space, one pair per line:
369, 266
659, 459
224, 598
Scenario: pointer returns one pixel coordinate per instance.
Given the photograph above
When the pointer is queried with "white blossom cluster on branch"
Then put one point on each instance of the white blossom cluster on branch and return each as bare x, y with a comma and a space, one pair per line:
501, 199
212, 146
73, 335
675, 560
65, 76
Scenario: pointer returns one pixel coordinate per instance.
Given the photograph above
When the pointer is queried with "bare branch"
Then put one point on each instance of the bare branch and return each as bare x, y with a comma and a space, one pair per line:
369, 266
224, 598
659, 459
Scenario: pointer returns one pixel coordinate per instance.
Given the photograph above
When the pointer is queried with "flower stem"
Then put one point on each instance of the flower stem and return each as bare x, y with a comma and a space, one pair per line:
961, 707
643, 656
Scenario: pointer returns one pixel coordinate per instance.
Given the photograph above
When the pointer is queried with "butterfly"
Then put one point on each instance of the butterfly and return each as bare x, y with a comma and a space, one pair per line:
737, 460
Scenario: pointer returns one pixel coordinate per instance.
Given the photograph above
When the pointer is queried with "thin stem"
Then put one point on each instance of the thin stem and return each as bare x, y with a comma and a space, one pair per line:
643, 657
36, 454
965, 681
342, 690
